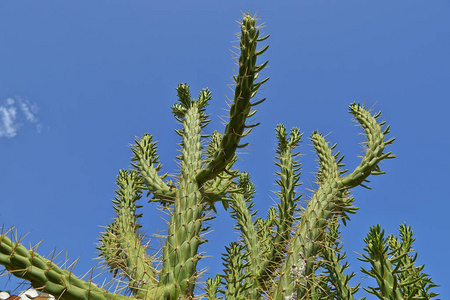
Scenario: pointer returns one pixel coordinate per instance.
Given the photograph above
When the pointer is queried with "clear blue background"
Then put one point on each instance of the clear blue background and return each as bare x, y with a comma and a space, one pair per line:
94, 73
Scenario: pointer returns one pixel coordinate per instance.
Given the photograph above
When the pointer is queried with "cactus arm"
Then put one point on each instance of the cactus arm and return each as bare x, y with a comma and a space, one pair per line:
180, 252
289, 177
305, 246
145, 160
413, 281
235, 275
374, 150
241, 206
299, 263
213, 287
382, 268
121, 244
264, 249
266, 235
328, 165
46, 276
240, 110
409, 272
217, 189
298, 269
329, 172
332, 256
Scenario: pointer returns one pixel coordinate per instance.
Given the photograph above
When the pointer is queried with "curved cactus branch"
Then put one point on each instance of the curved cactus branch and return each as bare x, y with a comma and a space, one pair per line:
213, 287
145, 160
121, 245
326, 203
235, 276
382, 268
218, 188
255, 252
264, 249
332, 256
289, 180
46, 276
374, 150
240, 110
392, 265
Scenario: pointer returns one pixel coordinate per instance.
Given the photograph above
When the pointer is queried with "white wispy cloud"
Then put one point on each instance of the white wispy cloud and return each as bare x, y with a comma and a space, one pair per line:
14, 113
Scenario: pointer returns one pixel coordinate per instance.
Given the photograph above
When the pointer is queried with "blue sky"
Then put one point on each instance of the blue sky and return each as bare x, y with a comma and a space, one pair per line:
78, 79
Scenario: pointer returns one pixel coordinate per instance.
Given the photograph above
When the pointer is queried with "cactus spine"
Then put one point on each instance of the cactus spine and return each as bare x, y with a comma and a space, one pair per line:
293, 253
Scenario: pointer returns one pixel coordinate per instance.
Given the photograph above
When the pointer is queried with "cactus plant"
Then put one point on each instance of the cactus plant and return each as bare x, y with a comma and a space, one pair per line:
293, 253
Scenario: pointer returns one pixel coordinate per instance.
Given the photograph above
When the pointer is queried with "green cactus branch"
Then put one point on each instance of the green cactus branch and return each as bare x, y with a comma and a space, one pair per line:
235, 275
145, 160
218, 188
213, 287
122, 245
333, 255
419, 283
240, 110
46, 276
180, 253
326, 204
289, 180
375, 147
255, 253
293, 253
392, 265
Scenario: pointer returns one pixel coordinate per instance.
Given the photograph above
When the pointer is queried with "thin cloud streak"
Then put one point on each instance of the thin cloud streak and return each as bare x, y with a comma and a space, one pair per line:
13, 113
8, 112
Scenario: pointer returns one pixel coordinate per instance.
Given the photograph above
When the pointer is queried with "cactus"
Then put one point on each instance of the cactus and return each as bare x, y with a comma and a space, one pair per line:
293, 253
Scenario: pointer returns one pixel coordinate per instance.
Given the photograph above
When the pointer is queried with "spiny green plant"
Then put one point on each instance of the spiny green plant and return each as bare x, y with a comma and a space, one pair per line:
293, 253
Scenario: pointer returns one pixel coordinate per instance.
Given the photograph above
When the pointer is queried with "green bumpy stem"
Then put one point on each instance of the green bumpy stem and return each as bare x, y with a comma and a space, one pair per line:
392, 265
213, 287
146, 162
326, 203
246, 89
375, 147
255, 251
419, 283
122, 245
264, 249
332, 255
289, 179
180, 253
382, 268
400, 251
217, 189
300, 260
235, 276
46, 276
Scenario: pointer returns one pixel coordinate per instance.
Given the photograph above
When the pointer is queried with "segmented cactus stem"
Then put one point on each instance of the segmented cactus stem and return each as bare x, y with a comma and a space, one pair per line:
45, 276
240, 110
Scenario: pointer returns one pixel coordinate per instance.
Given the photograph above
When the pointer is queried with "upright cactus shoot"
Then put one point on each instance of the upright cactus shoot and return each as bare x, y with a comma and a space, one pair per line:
293, 253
